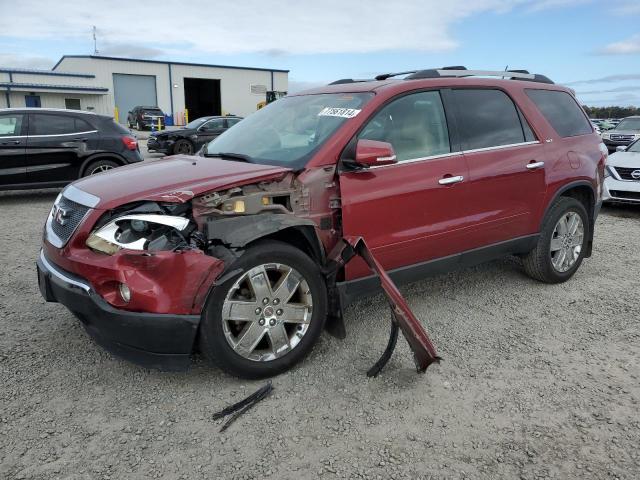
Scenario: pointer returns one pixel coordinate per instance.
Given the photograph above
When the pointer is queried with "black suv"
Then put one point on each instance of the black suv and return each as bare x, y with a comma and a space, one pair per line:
145, 117
50, 148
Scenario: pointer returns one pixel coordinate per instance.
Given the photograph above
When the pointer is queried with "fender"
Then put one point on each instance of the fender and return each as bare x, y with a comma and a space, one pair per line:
96, 156
592, 214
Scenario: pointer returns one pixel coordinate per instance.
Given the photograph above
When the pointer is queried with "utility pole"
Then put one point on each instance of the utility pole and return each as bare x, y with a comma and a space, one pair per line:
95, 42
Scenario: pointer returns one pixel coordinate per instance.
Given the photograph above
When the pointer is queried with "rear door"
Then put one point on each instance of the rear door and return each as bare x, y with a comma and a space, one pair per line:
57, 146
506, 165
13, 141
402, 210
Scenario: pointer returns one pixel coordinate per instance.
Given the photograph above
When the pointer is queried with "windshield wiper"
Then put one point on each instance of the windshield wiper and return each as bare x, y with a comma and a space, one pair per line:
234, 156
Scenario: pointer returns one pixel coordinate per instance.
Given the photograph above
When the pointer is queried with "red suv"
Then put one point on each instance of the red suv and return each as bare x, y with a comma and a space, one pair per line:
226, 252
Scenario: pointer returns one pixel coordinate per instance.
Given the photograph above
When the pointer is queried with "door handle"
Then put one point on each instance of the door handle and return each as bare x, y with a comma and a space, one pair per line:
12, 142
535, 165
450, 180
79, 140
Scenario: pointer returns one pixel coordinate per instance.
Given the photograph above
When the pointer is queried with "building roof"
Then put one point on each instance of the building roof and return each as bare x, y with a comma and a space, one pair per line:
32, 71
44, 86
165, 62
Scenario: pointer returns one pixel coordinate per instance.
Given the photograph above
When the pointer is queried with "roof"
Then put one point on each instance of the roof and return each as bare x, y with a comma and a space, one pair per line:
32, 71
165, 62
39, 109
44, 86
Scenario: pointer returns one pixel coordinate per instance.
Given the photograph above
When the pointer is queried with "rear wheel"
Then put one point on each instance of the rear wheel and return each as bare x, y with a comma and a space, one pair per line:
100, 166
266, 318
562, 243
183, 147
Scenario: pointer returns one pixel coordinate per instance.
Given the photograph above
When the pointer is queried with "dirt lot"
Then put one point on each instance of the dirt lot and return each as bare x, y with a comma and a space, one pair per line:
537, 381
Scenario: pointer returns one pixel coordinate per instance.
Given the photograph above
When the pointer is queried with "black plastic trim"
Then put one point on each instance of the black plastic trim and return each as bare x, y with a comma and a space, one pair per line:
361, 287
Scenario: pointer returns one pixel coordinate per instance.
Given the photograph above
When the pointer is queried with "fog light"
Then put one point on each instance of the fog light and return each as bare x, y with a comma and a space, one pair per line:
125, 293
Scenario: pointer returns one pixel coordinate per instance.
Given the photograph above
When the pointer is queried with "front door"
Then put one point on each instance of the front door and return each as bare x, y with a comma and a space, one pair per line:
13, 141
417, 209
506, 165
208, 131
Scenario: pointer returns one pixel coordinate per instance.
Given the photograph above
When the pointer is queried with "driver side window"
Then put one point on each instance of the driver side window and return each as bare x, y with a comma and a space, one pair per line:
215, 124
415, 125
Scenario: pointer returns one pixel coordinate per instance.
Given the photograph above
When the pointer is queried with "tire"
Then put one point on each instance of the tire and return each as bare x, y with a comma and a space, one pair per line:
100, 166
183, 147
543, 263
138, 126
217, 332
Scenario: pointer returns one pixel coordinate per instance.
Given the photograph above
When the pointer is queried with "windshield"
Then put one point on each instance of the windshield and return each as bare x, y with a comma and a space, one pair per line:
289, 131
197, 122
149, 111
634, 147
629, 124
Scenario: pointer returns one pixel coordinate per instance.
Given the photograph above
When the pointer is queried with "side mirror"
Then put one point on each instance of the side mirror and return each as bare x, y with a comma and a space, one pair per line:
373, 153
621, 148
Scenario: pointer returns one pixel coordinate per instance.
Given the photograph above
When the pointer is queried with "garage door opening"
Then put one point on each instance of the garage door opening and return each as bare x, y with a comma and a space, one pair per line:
202, 97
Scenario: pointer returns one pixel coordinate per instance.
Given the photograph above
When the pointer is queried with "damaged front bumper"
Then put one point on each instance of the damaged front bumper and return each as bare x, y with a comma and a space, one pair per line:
154, 340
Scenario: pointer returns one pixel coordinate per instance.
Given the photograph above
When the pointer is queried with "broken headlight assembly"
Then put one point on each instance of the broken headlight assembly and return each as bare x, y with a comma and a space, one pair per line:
148, 232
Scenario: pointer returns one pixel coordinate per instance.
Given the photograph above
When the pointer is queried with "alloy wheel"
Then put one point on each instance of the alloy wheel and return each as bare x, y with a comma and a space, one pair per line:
101, 168
566, 241
266, 312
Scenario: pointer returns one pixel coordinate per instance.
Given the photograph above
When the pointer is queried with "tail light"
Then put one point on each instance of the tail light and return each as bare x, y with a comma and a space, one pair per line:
130, 143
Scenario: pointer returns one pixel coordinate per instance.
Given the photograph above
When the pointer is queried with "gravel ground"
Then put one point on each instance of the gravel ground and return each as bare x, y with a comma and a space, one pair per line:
537, 381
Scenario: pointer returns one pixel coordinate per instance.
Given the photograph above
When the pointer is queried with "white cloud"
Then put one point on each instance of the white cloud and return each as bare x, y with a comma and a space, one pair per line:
250, 26
629, 46
26, 61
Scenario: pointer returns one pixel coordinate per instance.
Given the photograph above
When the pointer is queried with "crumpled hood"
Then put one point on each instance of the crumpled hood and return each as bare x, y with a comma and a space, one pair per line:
173, 179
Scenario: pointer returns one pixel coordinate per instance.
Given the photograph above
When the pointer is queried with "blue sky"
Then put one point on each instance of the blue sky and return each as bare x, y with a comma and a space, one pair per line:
575, 42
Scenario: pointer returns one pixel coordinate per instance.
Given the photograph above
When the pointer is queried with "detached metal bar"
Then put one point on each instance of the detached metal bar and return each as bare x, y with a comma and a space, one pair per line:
424, 352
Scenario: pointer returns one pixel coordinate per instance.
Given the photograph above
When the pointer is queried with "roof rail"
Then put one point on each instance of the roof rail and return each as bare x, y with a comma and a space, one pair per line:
456, 71
451, 72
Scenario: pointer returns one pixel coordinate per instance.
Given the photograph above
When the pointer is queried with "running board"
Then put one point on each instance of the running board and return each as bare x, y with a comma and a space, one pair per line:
424, 352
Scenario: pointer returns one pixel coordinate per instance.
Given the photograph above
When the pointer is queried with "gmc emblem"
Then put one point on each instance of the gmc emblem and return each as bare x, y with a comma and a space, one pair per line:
61, 215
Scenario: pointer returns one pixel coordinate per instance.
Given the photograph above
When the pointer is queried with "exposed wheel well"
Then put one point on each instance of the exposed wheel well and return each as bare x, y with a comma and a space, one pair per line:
302, 238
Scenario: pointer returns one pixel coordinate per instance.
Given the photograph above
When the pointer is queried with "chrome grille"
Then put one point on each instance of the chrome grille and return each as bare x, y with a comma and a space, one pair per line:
625, 173
622, 138
65, 218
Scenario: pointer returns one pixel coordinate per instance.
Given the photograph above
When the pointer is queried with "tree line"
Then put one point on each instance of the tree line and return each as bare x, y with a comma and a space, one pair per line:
611, 112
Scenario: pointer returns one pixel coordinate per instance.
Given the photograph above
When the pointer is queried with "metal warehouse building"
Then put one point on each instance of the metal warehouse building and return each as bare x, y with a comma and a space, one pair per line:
113, 86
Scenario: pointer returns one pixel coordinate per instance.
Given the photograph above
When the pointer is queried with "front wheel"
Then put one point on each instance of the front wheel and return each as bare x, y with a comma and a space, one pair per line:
562, 243
183, 147
266, 318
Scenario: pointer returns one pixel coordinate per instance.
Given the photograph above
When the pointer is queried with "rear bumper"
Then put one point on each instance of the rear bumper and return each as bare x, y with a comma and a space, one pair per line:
163, 341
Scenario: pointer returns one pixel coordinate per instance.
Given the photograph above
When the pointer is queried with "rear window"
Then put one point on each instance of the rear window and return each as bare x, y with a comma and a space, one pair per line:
489, 118
561, 111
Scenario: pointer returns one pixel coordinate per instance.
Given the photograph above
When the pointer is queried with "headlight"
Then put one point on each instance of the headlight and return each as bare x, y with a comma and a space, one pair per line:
607, 172
606, 135
140, 232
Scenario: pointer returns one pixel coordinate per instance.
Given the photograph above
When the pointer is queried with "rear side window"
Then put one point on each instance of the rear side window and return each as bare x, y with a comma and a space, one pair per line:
10, 125
488, 118
561, 111
415, 125
56, 125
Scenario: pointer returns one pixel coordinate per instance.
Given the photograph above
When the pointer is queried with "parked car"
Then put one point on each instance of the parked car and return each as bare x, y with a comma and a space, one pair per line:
190, 138
42, 147
142, 118
596, 127
622, 175
228, 252
626, 132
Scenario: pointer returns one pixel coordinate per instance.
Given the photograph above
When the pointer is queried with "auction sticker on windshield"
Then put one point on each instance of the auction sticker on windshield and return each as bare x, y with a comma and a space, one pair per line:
339, 112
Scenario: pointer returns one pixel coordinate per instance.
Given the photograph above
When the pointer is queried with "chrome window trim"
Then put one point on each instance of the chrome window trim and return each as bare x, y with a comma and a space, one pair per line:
54, 271
51, 135
74, 194
451, 154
